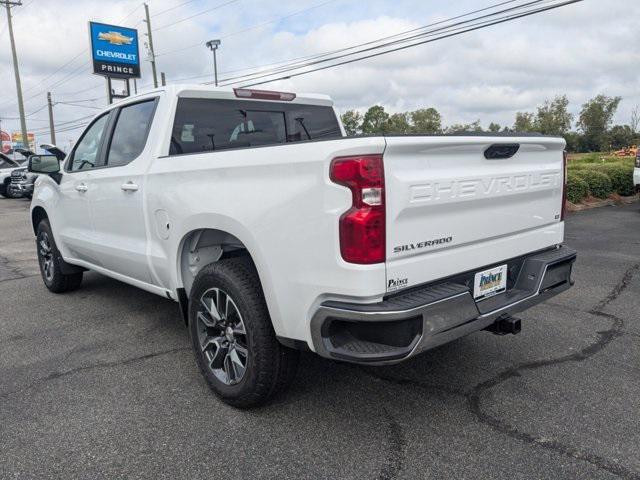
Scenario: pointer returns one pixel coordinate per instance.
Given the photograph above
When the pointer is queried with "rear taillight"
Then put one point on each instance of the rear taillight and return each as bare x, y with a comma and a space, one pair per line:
363, 226
563, 211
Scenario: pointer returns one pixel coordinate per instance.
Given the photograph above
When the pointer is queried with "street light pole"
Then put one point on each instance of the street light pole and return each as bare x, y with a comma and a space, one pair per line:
213, 45
23, 123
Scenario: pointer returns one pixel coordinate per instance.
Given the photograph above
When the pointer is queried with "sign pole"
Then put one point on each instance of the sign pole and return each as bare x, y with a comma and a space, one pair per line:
109, 97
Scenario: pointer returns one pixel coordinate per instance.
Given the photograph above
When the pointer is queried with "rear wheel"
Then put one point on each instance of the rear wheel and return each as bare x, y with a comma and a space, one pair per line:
232, 336
51, 262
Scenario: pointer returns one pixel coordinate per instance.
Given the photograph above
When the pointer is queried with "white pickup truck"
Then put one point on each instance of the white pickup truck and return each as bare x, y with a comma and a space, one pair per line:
275, 233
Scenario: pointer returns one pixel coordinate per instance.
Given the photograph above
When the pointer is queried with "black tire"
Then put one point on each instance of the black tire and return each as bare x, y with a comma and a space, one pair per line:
51, 262
11, 194
269, 365
3, 190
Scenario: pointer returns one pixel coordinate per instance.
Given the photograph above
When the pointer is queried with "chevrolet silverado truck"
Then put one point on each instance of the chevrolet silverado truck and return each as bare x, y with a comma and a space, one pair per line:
275, 233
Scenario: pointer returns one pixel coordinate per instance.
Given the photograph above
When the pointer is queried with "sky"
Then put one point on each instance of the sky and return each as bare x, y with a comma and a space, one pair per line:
581, 50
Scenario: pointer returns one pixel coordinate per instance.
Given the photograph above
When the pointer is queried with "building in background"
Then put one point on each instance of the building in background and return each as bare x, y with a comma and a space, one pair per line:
17, 142
5, 142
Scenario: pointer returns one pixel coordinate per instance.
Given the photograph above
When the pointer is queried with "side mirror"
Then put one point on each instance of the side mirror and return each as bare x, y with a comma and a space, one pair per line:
43, 164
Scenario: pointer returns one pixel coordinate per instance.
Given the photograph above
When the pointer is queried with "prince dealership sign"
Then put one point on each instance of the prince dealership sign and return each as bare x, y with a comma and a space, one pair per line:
114, 51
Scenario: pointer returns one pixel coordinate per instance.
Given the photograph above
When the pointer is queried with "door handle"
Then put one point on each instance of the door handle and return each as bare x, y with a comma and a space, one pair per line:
129, 187
82, 188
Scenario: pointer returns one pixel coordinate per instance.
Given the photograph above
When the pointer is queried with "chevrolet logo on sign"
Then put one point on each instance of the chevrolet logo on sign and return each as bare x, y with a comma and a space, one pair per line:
115, 38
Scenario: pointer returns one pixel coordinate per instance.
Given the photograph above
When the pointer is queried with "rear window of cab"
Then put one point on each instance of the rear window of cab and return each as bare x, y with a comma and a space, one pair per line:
207, 125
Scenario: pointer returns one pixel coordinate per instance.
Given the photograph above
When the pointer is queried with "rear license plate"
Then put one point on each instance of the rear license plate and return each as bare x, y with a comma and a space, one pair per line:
490, 282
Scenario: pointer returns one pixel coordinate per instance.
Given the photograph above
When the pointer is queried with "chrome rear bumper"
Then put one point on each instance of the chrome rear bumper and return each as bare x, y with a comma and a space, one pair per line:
405, 324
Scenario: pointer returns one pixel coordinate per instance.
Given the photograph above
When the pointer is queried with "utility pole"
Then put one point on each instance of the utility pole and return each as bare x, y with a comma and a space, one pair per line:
152, 53
213, 45
23, 123
52, 128
163, 79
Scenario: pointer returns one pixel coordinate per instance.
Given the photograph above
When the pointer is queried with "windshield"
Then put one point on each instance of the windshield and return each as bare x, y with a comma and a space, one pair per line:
8, 163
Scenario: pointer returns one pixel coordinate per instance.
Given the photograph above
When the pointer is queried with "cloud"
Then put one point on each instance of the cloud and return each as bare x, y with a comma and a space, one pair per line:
581, 50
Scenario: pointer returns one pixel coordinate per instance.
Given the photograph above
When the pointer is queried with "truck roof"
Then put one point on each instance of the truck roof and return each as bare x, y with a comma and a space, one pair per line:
207, 91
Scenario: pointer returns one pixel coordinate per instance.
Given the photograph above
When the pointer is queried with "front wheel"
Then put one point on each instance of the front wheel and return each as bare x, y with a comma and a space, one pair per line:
51, 262
12, 192
232, 336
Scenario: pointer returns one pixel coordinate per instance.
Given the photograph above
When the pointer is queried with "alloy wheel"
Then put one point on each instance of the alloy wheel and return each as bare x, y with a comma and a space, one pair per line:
46, 256
222, 336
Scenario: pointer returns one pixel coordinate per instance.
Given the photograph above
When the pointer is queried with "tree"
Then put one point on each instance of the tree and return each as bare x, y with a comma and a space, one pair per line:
426, 120
635, 119
398, 123
465, 127
352, 121
574, 142
621, 136
553, 118
494, 127
594, 121
375, 120
524, 122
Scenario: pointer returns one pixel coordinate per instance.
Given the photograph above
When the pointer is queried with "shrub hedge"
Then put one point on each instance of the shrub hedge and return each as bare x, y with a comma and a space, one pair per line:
577, 188
599, 183
621, 177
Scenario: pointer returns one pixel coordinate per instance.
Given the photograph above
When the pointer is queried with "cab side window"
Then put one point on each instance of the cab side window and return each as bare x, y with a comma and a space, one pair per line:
85, 155
130, 133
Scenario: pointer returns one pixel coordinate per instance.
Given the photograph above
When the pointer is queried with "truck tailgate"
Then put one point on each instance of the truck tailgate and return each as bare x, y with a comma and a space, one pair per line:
450, 209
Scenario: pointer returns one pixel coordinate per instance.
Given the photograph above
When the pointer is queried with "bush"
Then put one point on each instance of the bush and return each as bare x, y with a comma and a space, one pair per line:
577, 188
599, 183
572, 166
621, 177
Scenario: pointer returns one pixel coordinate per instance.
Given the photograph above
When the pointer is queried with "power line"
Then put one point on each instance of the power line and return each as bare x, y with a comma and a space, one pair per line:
195, 15
181, 49
456, 31
286, 63
298, 62
172, 8
79, 105
36, 111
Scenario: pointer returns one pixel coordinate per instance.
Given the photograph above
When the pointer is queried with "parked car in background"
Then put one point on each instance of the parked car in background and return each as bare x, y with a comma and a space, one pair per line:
276, 233
21, 180
7, 166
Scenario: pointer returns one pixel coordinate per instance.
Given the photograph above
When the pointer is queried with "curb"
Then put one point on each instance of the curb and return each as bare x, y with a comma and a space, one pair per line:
609, 202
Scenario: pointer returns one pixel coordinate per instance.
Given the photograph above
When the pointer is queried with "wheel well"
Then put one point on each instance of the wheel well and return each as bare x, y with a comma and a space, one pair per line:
202, 247
37, 215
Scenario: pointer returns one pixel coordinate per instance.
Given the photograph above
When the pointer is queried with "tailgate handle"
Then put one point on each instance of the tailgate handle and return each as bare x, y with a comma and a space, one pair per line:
500, 151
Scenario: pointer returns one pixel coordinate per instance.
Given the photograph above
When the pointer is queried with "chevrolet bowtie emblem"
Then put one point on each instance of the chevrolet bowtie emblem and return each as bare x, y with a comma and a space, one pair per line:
115, 38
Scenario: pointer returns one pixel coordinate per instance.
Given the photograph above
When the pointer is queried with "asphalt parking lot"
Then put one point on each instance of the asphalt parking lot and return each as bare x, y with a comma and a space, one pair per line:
101, 383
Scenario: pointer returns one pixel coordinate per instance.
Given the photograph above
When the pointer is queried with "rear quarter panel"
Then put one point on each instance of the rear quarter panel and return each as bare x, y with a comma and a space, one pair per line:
279, 202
